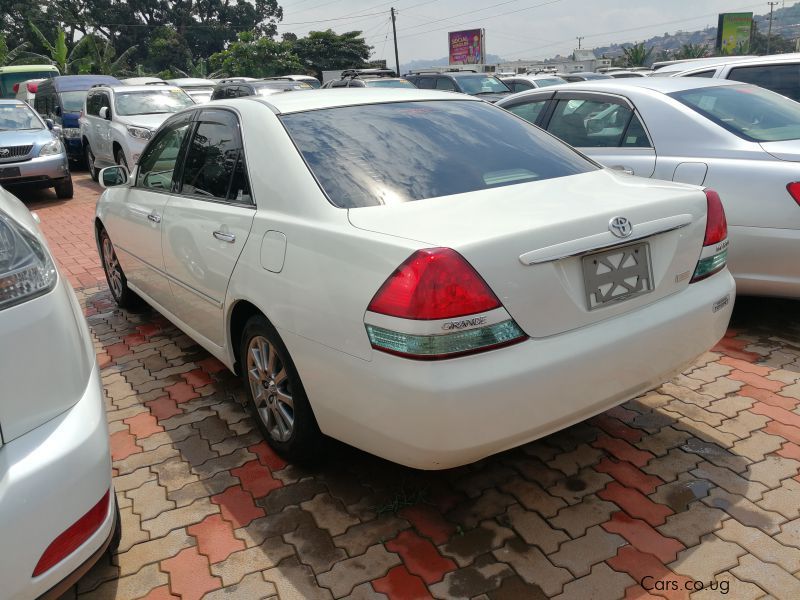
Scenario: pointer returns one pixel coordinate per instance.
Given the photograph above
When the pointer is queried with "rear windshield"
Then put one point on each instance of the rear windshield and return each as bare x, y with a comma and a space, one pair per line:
481, 84
390, 83
549, 81
72, 102
398, 152
750, 112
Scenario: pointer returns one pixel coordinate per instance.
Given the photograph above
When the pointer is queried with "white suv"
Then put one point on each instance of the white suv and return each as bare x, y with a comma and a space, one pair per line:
117, 121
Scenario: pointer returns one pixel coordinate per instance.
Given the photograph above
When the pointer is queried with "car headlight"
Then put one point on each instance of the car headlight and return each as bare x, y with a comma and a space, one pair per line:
26, 269
141, 133
51, 148
71, 133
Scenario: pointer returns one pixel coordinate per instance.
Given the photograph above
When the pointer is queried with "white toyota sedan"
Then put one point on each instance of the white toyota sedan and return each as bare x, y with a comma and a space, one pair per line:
58, 512
416, 273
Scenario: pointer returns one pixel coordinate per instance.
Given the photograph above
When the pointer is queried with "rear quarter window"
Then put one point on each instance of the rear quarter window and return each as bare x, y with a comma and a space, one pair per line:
406, 151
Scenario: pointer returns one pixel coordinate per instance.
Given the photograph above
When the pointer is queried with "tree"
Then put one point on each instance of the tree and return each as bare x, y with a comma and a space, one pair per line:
8, 57
256, 56
165, 49
692, 51
777, 43
66, 60
103, 58
637, 55
198, 69
327, 51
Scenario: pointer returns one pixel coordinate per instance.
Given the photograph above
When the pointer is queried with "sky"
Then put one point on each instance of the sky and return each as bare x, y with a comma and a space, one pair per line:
515, 29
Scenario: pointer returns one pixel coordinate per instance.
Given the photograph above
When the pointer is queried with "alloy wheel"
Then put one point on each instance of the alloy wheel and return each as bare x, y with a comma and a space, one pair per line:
271, 391
112, 268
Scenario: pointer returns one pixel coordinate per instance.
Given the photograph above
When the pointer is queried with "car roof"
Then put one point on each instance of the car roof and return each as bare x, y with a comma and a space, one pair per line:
139, 88
73, 83
692, 63
305, 100
191, 81
26, 68
753, 60
665, 85
12, 101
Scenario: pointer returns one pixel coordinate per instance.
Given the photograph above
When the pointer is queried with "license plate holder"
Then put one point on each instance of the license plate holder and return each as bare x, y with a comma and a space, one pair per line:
617, 274
8, 172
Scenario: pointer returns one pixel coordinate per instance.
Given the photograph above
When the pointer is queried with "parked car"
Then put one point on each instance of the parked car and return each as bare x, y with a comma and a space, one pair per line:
144, 81
199, 90
485, 86
61, 99
11, 75
236, 88
624, 74
377, 78
779, 72
668, 68
583, 76
741, 140
59, 512
520, 83
31, 152
26, 90
398, 257
117, 121
312, 81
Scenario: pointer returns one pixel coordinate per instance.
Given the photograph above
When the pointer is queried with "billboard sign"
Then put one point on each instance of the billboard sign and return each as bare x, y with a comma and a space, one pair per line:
733, 33
467, 47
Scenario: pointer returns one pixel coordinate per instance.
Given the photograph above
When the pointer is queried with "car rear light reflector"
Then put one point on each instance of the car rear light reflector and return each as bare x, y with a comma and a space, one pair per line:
32, 87
437, 347
714, 255
26, 269
794, 191
434, 283
75, 535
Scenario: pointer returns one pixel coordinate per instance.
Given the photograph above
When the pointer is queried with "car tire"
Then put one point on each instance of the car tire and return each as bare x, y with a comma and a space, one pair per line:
64, 189
277, 399
119, 158
89, 158
117, 282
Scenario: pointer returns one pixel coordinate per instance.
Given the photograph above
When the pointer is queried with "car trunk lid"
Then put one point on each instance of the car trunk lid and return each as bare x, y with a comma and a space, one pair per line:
534, 242
788, 150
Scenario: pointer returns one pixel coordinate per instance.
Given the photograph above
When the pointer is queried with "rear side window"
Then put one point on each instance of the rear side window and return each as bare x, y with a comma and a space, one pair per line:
529, 111
750, 112
708, 74
596, 124
400, 152
783, 79
426, 83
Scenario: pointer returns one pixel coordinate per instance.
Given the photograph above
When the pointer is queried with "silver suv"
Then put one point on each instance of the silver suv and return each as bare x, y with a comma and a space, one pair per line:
31, 151
118, 121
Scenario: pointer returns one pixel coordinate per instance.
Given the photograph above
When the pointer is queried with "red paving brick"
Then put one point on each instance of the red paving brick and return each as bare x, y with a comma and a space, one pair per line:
768, 397
123, 444
756, 381
616, 428
735, 349
256, 478
647, 568
267, 456
197, 378
421, 557
163, 408
622, 450
399, 584
790, 450
635, 503
428, 521
237, 506
744, 365
643, 537
215, 538
181, 392
189, 574
143, 425
629, 475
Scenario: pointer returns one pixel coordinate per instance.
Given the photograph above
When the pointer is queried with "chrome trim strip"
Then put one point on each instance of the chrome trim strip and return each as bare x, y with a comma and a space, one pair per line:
601, 241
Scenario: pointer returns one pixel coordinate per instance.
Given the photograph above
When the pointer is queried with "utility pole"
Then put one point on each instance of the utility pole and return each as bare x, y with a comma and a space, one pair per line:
396, 55
769, 30
579, 38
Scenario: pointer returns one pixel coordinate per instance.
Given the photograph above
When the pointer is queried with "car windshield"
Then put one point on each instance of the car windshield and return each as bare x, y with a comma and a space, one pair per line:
399, 152
389, 83
18, 117
750, 112
149, 102
481, 84
549, 81
72, 102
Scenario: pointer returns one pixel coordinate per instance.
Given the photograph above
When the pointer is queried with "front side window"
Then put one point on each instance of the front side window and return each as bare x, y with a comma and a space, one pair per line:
158, 162
18, 117
214, 166
404, 151
151, 102
594, 124
783, 79
749, 112
93, 104
529, 111
476, 85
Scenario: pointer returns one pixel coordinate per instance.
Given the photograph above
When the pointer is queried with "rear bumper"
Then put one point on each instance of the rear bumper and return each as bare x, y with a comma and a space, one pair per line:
49, 478
42, 170
444, 414
764, 261
74, 148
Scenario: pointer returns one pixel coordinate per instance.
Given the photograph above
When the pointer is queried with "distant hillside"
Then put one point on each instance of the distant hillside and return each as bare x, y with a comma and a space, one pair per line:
440, 62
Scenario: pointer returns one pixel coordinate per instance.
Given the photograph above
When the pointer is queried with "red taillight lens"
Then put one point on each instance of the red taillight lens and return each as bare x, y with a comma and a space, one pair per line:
75, 535
15, 88
794, 191
435, 283
32, 87
716, 225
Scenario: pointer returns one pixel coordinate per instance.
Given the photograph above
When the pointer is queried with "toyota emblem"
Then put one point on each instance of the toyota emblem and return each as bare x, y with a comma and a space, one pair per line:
620, 227
4, 152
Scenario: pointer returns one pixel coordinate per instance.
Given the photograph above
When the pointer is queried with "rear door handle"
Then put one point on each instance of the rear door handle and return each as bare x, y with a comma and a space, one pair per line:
626, 170
225, 237
154, 217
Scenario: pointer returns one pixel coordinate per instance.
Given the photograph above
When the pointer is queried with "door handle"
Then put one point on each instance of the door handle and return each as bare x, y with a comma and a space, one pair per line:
225, 237
154, 217
626, 170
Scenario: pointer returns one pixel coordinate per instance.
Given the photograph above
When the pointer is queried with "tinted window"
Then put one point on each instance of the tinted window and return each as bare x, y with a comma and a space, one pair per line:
529, 111
783, 79
404, 151
426, 83
214, 166
750, 112
72, 101
443, 83
590, 123
390, 83
218, 93
635, 136
93, 104
702, 74
481, 84
521, 85
157, 164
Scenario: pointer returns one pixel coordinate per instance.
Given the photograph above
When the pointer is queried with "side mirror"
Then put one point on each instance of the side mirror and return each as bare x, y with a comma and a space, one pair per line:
49, 123
113, 176
104, 113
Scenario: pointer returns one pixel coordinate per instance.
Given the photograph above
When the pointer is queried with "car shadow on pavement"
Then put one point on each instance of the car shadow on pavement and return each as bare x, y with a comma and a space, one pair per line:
636, 491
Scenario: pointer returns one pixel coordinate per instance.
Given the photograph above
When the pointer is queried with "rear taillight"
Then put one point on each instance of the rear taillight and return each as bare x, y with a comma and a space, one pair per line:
715, 245
15, 88
794, 191
32, 87
75, 535
436, 305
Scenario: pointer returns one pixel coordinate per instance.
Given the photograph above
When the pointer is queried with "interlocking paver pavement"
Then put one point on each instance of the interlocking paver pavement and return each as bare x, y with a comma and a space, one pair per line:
698, 479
